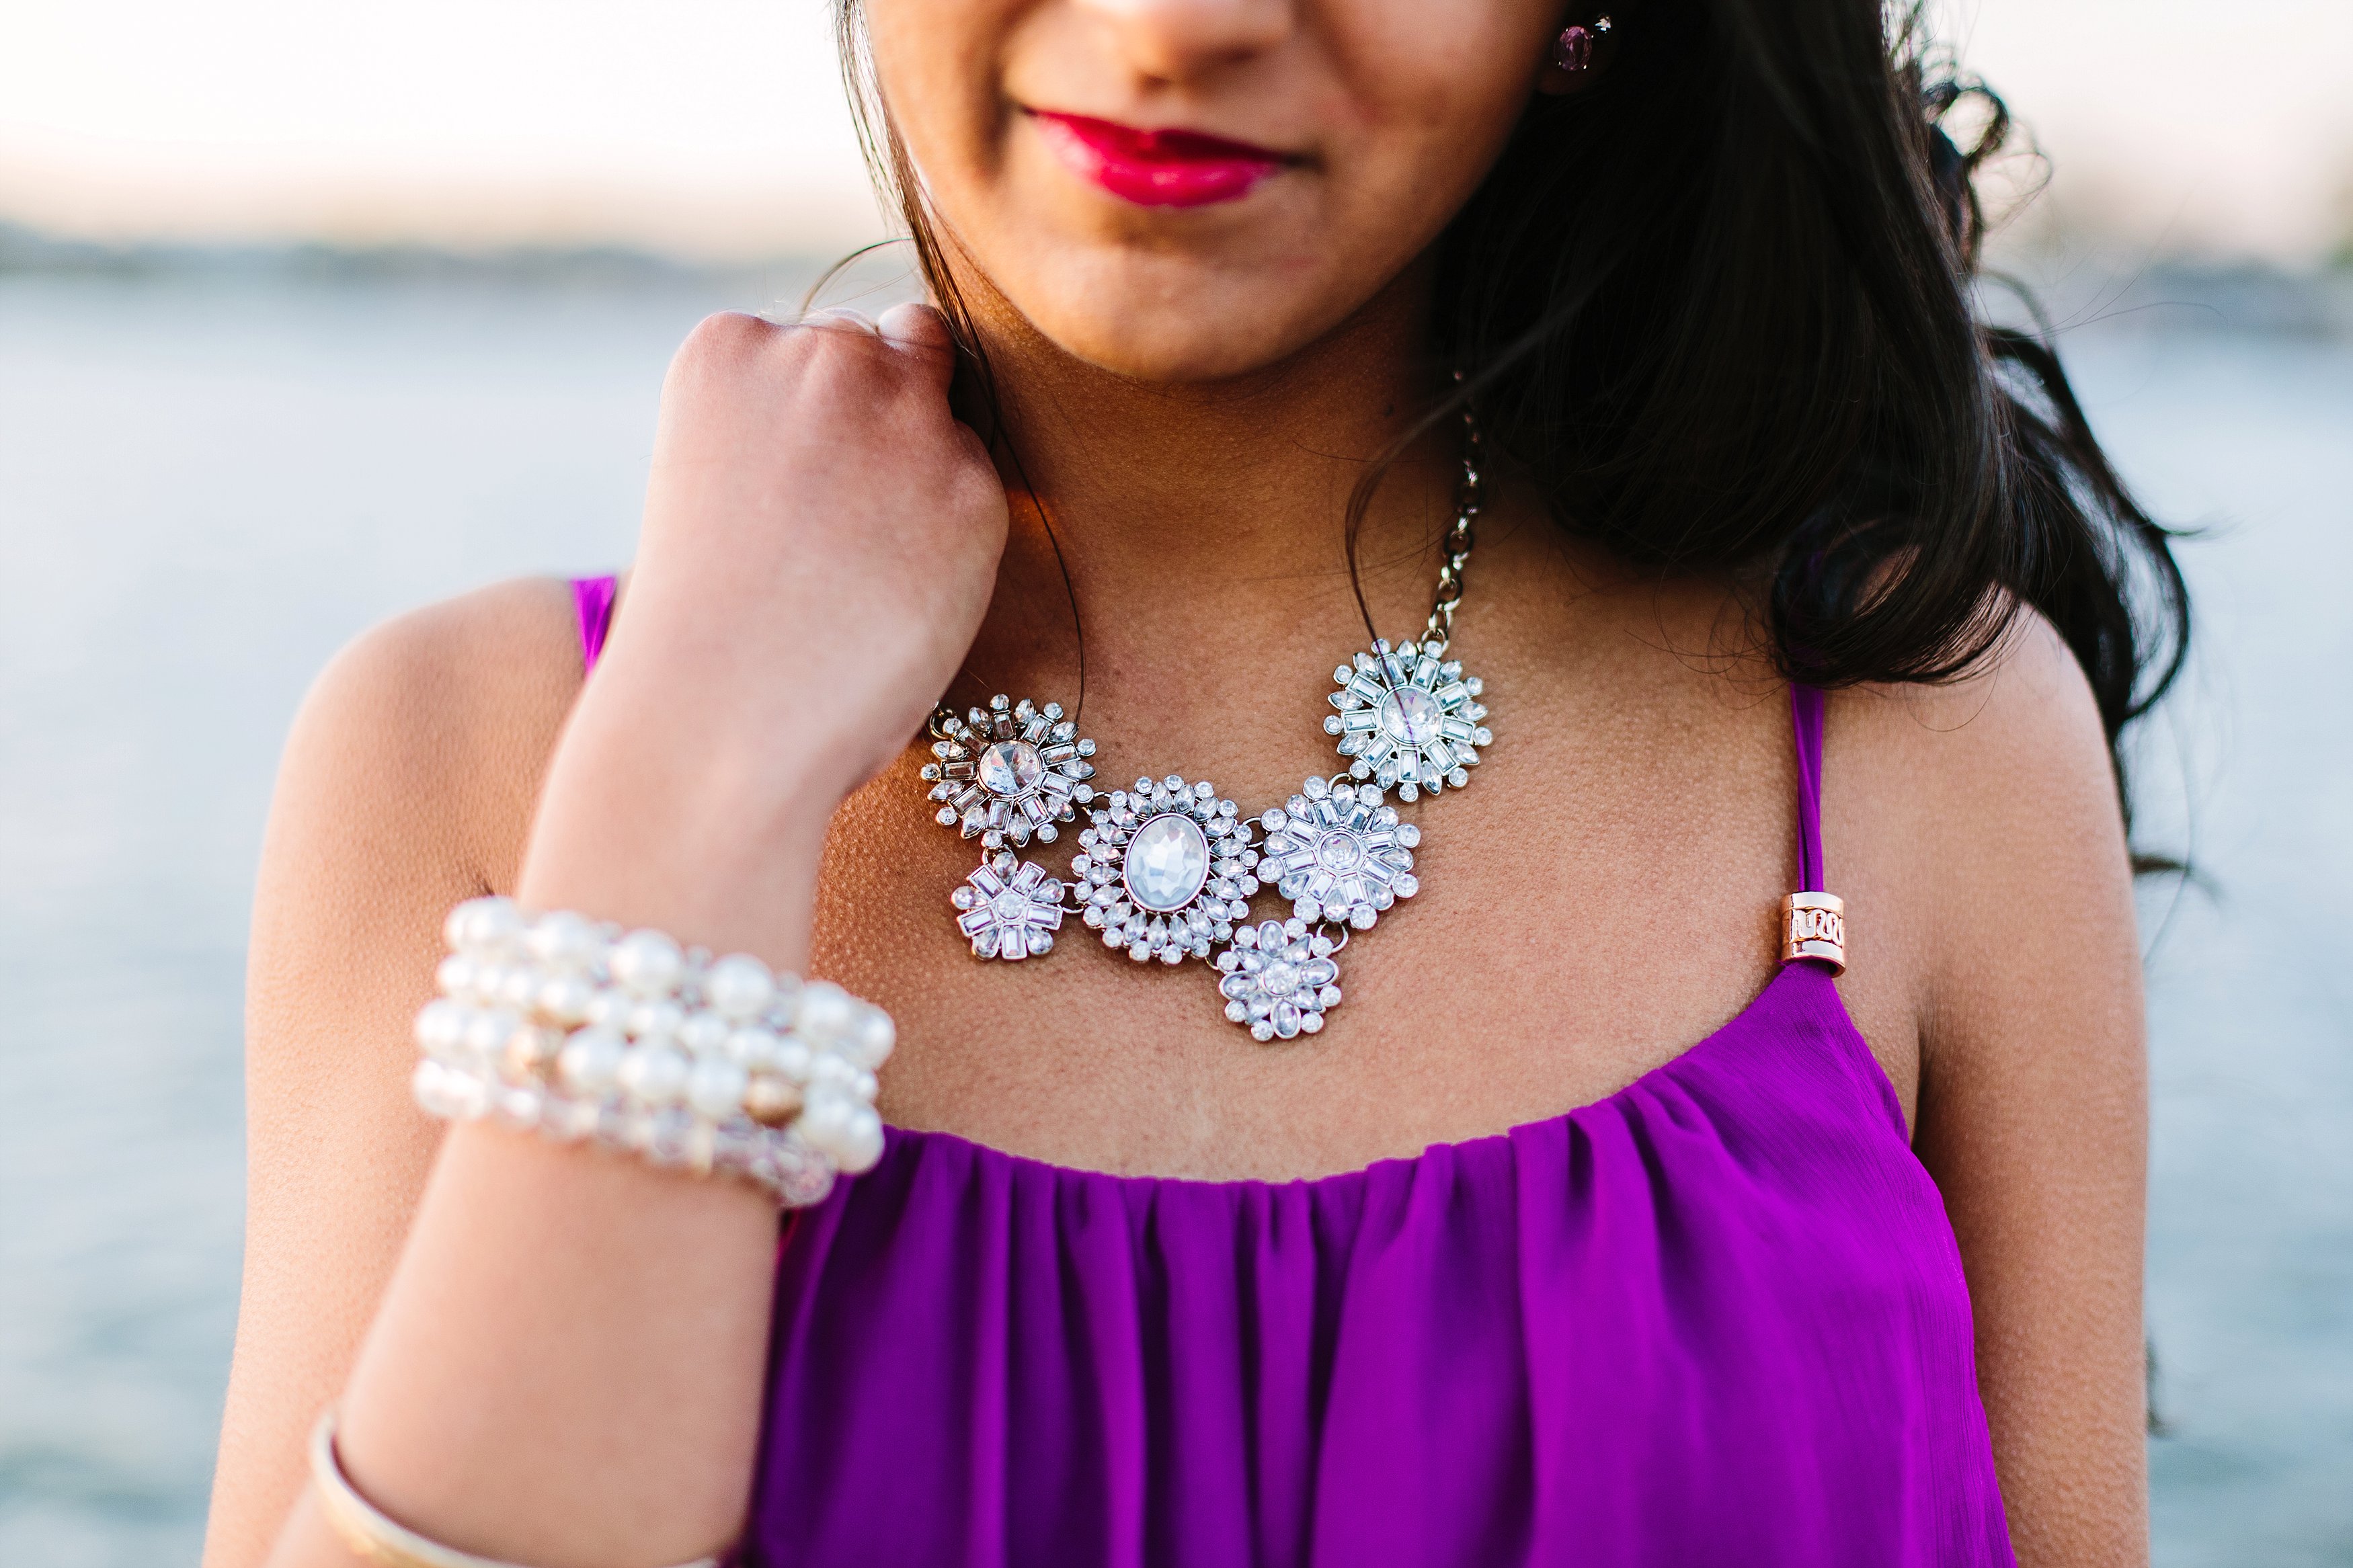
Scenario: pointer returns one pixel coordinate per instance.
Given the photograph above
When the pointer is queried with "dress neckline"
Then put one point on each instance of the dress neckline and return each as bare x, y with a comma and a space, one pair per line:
1798, 972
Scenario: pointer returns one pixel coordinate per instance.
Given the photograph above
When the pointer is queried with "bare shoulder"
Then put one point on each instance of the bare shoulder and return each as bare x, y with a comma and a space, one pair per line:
408, 784
1977, 818
2026, 716
442, 717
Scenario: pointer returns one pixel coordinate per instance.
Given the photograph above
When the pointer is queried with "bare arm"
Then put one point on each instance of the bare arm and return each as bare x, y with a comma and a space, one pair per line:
406, 786
2034, 1090
564, 1365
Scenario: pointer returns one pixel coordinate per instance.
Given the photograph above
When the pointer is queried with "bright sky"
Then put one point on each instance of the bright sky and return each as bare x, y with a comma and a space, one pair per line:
717, 126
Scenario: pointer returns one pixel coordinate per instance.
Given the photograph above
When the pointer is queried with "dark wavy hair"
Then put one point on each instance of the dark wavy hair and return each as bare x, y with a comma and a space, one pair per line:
1722, 307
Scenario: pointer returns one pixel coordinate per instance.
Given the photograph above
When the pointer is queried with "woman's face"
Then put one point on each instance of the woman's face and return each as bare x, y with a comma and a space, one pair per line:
1180, 190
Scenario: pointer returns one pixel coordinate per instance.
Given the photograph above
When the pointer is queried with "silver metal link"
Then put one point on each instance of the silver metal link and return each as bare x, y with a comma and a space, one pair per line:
1459, 537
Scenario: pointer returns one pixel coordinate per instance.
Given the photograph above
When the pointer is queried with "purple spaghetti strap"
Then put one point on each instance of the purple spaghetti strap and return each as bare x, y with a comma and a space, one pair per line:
592, 599
1806, 720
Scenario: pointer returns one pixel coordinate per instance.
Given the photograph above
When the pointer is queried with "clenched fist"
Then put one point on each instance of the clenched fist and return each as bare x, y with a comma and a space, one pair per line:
821, 539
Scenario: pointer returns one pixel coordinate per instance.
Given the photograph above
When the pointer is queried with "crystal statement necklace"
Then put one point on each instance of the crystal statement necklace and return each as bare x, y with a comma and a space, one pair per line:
1166, 869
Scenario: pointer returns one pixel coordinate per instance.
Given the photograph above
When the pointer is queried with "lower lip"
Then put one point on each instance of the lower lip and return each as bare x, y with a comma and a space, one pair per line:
1156, 168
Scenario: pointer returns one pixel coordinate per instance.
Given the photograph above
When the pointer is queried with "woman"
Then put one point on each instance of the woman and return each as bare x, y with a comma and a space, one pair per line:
1252, 309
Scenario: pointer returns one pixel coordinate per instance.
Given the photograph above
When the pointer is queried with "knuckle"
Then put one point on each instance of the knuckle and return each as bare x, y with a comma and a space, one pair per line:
847, 357
721, 341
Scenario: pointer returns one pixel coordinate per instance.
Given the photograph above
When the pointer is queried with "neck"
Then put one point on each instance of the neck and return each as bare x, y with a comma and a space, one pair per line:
1204, 526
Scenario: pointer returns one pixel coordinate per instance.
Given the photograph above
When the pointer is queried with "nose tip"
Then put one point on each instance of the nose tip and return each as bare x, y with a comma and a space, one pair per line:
1175, 39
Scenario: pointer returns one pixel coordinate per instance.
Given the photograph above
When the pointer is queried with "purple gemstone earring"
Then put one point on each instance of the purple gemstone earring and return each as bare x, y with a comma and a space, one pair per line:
1572, 52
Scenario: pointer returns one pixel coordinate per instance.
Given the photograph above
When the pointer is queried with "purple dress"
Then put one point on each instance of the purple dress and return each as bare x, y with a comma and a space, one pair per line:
1717, 1317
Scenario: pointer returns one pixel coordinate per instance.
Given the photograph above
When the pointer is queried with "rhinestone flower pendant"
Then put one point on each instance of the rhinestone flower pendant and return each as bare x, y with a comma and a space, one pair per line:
1408, 719
1168, 867
1339, 854
1010, 908
1280, 979
1010, 771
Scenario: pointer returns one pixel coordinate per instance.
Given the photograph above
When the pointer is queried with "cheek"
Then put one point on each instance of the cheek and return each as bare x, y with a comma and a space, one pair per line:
1434, 89
938, 65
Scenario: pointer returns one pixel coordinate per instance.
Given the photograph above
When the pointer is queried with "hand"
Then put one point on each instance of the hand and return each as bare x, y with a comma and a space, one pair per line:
821, 536
821, 539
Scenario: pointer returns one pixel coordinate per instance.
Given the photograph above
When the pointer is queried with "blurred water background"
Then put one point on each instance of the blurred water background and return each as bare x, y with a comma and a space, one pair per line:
211, 477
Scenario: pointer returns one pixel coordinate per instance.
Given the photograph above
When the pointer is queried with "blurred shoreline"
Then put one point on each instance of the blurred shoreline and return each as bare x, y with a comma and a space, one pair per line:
27, 251
2071, 289
2158, 294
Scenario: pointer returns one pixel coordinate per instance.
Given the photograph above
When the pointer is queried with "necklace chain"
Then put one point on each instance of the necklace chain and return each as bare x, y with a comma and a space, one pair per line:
1459, 537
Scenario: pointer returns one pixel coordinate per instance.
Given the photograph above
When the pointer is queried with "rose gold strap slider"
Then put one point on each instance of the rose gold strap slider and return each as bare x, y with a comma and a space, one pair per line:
1813, 925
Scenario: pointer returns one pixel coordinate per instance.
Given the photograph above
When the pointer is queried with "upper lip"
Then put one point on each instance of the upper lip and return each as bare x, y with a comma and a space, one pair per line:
1165, 143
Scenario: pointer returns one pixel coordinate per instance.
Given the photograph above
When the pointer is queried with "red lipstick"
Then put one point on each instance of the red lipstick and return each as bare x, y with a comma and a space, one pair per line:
1157, 168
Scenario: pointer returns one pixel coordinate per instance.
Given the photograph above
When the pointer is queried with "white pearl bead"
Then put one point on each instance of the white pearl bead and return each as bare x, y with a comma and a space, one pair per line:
519, 1107
866, 1086
607, 1010
876, 1036
457, 1096
646, 963
455, 976
486, 927
652, 1074
425, 1083
860, 1143
439, 1026
656, 1020
738, 986
518, 987
564, 941
787, 997
752, 1048
715, 1088
825, 1120
825, 1012
830, 1071
487, 1032
793, 1059
565, 999
448, 1092
590, 1062
702, 1033
577, 1120
466, 926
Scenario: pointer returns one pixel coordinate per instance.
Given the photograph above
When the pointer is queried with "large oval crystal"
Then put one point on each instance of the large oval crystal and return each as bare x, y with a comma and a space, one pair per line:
1167, 863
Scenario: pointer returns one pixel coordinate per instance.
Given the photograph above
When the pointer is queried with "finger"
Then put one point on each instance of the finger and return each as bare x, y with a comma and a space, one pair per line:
922, 332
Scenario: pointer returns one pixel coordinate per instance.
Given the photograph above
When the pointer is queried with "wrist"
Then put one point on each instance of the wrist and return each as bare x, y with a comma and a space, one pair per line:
657, 825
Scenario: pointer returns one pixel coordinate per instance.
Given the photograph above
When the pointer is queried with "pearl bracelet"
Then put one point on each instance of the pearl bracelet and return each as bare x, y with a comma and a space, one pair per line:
555, 1023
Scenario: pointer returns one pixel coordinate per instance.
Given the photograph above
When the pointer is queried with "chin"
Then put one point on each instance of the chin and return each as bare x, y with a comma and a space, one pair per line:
1170, 321
1162, 347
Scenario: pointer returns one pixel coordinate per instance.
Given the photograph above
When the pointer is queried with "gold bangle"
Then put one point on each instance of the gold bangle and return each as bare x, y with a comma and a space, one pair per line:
372, 1538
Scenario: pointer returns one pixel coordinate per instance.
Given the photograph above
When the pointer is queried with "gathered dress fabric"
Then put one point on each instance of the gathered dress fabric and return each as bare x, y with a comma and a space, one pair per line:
1717, 1317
